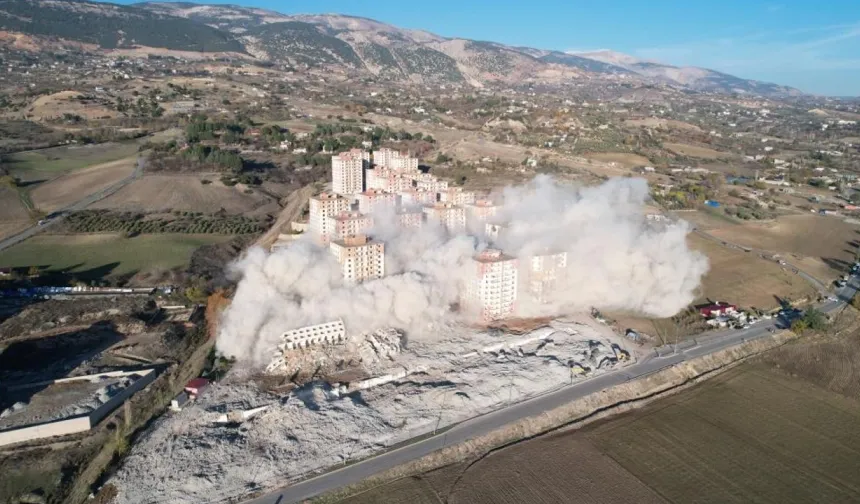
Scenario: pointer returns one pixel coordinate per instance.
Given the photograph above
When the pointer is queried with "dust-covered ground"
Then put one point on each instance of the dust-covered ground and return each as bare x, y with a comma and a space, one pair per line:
189, 457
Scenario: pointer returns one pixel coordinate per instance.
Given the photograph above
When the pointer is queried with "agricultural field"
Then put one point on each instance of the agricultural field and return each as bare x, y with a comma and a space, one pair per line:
68, 102
760, 432
74, 186
155, 193
657, 122
13, 216
103, 255
746, 279
48, 163
825, 246
624, 159
696, 151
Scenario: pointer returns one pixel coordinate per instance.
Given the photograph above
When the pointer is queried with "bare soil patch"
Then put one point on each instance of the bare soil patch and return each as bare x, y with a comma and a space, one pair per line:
624, 159
154, 193
696, 151
13, 215
68, 102
65, 190
656, 122
746, 279
823, 246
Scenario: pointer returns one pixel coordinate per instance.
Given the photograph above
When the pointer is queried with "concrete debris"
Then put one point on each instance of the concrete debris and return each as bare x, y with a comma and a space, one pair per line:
320, 425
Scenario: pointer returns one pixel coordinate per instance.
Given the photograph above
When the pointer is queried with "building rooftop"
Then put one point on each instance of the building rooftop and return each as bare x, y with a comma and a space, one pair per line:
492, 255
326, 196
355, 241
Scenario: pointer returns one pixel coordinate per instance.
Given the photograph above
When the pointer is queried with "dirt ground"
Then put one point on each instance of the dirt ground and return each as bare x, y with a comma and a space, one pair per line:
696, 151
66, 102
626, 160
746, 279
823, 246
71, 187
183, 192
656, 122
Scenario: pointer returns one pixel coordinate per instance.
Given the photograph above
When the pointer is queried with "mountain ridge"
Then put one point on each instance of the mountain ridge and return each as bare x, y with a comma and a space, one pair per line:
352, 44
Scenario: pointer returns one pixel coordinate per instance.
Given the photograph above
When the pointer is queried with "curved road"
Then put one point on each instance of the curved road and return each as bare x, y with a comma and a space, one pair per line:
478, 426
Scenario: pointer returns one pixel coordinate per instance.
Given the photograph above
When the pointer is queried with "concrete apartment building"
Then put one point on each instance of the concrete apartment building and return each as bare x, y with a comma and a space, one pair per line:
491, 291
418, 197
349, 223
347, 171
323, 207
544, 273
374, 199
453, 217
329, 333
412, 217
400, 162
360, 257
384, 179
457, 196
479, 212
428, 182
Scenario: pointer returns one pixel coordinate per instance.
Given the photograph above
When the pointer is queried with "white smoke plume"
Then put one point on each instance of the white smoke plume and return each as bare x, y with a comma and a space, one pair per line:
616, 260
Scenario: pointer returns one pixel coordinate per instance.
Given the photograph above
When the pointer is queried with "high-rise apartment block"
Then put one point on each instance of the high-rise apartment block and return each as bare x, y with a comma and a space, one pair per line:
453, 217
349, 223
428, 182
321, 208
384, 179
374, 199
410, 217
491, 290
418, 197
457, 196
394, 160
360, 257
479, 212
544, 273
347, 171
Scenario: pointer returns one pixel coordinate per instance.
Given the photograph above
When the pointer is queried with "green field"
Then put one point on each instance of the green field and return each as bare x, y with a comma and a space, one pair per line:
95, 256
48, 163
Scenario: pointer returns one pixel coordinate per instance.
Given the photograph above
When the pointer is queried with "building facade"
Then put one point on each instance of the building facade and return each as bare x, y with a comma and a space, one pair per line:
545, 272
453, 217
428, 182
410, 217
383, 179
397, 161
347, 172
360, 258
479, 212
457, 196
417, 197
349, 223
374, 199
491, 290
323, 207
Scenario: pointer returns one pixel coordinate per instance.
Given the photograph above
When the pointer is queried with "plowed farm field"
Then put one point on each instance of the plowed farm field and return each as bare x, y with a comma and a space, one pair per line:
784, 428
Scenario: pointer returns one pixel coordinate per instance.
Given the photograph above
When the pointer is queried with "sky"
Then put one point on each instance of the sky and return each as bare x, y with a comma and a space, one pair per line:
811, 45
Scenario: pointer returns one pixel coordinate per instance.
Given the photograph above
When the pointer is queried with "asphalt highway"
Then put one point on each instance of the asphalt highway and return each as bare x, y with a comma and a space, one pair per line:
663, 357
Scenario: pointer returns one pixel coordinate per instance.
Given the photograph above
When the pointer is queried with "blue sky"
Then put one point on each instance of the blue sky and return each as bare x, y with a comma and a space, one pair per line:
811, 45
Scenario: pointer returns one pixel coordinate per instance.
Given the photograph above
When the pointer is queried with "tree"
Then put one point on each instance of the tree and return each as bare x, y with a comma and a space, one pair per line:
814, 319
799, 326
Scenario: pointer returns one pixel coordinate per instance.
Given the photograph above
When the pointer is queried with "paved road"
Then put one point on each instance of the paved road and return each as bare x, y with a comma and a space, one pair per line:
475, 427
78, 205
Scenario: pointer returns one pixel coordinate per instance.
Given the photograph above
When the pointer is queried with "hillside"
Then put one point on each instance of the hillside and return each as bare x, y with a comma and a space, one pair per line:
699, 79
351, 44
111, 26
